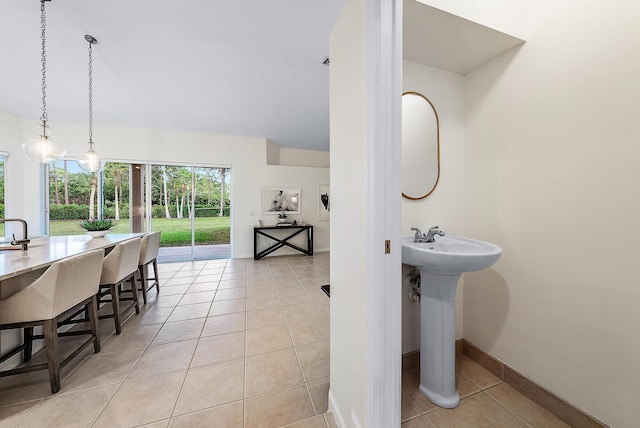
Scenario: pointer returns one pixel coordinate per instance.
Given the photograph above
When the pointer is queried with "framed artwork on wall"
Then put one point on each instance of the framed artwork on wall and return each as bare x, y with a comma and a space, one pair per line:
276, 200
324, 206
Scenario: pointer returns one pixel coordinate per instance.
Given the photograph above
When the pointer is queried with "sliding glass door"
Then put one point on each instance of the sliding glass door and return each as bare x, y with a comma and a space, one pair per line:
190, 205
211, 213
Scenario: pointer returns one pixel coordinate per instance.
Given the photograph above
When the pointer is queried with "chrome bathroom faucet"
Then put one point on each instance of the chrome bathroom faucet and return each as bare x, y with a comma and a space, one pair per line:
426, 237
430, 236
24, 241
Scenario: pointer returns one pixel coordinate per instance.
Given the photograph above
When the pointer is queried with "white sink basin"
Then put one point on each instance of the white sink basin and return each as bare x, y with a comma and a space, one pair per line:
450, 255
441, 264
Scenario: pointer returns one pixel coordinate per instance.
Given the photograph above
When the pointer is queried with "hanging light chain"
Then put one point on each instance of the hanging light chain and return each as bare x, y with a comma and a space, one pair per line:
43, 58
90, 161
41, 148
90, 95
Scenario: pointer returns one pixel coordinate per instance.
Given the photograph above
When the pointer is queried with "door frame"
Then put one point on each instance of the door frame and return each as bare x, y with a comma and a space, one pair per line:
384, 301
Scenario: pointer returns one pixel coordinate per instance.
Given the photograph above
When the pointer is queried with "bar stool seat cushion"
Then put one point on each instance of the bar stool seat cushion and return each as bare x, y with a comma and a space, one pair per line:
149, 248
120, 266
121, 262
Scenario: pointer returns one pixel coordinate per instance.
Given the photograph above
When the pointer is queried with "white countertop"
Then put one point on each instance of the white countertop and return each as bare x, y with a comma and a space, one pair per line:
44, 251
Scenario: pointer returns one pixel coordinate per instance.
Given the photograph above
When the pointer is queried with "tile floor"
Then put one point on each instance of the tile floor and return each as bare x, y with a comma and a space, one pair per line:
233, 343
226, 343
486, 401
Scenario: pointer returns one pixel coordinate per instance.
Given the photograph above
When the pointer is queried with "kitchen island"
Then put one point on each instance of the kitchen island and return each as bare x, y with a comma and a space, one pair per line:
20, 268
44, 251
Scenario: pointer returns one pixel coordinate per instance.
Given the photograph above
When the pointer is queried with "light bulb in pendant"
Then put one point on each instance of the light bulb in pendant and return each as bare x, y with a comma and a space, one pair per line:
42, 148
90, 161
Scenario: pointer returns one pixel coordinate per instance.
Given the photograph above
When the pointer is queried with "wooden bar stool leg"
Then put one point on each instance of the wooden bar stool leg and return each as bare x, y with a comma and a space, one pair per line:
143, 282
115, 304
93, 320
155, 274
134, 290
53, 360
28, 343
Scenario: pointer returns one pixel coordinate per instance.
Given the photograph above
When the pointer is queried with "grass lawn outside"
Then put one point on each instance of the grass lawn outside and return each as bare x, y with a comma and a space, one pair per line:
175, 232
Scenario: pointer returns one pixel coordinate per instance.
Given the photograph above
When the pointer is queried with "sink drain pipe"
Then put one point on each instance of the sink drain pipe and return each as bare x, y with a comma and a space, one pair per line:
412, 280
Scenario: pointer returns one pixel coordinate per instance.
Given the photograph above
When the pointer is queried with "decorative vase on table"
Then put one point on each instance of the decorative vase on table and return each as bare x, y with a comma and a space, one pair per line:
97, 228
282, 220
97, 233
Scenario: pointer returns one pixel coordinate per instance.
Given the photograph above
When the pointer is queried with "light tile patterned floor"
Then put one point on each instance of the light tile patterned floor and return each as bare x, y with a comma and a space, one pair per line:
486, 401
234, 343
226, 343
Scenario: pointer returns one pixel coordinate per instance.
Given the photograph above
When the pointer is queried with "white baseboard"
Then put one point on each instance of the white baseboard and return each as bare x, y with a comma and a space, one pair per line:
337, 414
355, 420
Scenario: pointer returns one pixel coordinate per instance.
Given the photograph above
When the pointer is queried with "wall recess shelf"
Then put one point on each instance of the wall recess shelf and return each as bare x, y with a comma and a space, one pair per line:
442, 40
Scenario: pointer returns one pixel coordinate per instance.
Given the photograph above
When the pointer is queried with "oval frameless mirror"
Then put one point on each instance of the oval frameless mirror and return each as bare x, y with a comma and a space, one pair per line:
420, 146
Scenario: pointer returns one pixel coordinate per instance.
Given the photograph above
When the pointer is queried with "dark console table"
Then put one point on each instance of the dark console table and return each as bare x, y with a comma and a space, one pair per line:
281, 239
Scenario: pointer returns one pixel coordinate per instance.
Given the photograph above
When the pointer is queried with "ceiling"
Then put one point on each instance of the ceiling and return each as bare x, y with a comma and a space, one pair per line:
240, 67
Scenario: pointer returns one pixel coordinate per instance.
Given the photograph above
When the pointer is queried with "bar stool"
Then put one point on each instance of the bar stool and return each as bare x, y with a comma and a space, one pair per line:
120, 266
149, 254
64, 287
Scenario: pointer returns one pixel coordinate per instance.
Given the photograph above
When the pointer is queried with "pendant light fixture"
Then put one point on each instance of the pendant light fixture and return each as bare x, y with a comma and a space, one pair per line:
90, 161
42, 148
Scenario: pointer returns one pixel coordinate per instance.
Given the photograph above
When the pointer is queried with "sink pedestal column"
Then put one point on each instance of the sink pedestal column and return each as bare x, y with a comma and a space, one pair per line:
437, 338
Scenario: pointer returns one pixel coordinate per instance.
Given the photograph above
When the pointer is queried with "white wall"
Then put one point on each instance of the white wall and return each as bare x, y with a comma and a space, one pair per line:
553, 149
277, 155
347, 397
22, 176
445, 206
245, 155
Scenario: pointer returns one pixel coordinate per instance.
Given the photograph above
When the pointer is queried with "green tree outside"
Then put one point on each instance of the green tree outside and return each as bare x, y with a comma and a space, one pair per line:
70, 189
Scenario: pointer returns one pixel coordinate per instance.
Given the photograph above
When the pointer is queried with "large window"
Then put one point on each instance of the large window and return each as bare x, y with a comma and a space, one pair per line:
190, 205
115, 191
73, 197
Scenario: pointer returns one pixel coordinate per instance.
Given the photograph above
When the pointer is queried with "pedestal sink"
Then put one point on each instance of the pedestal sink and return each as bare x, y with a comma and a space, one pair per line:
441, 264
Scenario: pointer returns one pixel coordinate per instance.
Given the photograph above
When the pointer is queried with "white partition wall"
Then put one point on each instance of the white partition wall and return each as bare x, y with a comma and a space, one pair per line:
365, 158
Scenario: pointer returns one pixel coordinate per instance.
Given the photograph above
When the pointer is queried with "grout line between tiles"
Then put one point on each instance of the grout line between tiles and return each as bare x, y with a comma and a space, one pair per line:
138, 359
40, 401
194, 349
120, 384
506, 408
244, 372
